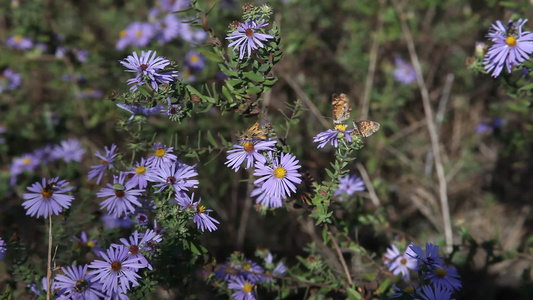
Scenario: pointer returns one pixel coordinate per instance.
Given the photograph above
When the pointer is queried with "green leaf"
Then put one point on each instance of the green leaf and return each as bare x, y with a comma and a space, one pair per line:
210, 55
211, 139
254, 90
353, 294
228, 71
254, 76
526, 87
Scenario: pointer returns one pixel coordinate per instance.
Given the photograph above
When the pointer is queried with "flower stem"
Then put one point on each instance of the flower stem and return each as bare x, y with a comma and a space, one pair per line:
49, 268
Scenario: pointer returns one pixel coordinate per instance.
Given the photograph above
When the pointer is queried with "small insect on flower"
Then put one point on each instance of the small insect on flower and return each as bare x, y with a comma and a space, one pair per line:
47, 198
365, 128
511, 47
341, 108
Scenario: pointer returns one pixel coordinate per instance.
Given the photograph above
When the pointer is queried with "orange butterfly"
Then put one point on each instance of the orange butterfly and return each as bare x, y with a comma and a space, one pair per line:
341, 108
257, 131
365, 128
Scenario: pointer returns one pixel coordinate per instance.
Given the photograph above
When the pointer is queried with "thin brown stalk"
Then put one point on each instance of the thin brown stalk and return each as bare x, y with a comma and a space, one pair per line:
430, 126
341, 258
365, 103
241, 232
368, 184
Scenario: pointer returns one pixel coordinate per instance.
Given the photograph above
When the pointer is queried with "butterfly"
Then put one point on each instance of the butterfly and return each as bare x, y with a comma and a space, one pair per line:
305, 190
365, 128
341, 108
257, 131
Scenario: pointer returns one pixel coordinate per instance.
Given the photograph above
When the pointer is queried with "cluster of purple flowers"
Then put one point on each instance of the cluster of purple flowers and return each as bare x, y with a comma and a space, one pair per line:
277, 175
163, 26
68, 150
3, 249
161, 171
436, 280
489, 125
242, 275
9, 80
511, 47
194, 62
112, 276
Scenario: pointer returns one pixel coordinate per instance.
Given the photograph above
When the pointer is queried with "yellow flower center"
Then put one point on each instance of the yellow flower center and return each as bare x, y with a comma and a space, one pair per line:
159, 152
138, 33
140, 170
341, 127
18, 38
280, 172
122, 34
26, 160
409, 290
247, 287
90, 244
248, 147
194, 58
246, 266
47, 193
441, 272
511, 41
200, 209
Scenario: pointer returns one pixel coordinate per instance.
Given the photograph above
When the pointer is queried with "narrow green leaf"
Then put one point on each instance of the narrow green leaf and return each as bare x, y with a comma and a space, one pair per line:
211, 139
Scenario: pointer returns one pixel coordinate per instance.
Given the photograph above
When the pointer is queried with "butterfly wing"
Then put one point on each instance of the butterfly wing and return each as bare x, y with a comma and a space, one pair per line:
365, 128
341, 108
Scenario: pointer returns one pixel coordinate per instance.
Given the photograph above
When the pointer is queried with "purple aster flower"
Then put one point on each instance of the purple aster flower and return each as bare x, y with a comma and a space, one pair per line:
247, 38
331, 136
125, 38
192, 35
61, 52
201, 217
249, 151
142, 219
168, 28
45, 154
349, 184
19, 42
82, 55
175, 175
84, 241
141, 33
186, 75
76, 284
116, 271
195, 60
122, 196
400, 263
27, 162
280, 177
244, 287
430, 258
280, 268
434, 293
265, 199
47, 198
3, 249
139, 110
445, 278
111, 221
140, 172
69, 150
97, 171
174, 5
138, 242
148, 66
407, 293
511, 47
162, 156
9, 80
490, 124
404, 72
